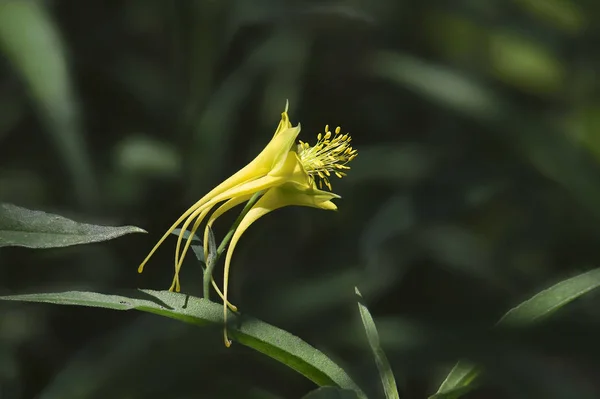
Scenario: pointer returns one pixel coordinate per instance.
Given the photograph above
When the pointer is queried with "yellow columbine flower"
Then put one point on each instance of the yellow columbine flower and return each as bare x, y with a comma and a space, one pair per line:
284, 173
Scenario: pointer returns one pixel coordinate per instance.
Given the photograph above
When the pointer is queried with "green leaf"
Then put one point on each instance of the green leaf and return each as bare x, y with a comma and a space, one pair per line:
198, 249
541, 305
20, 227
186, 234
385, 371
550, 300
330, 393
199, 252
458, 382
455, 392
211, 258
265, 338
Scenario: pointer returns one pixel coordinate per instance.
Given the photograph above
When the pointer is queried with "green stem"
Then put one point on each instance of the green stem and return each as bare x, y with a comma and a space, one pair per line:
212, 260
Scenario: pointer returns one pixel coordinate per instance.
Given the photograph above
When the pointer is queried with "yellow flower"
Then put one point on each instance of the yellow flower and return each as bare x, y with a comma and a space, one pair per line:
286, 175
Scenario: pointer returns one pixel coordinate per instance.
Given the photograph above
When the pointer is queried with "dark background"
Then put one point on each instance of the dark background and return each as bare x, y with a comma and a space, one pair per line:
477, 184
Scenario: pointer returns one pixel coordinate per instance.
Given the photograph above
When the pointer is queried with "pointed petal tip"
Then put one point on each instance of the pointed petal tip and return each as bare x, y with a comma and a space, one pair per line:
328, 206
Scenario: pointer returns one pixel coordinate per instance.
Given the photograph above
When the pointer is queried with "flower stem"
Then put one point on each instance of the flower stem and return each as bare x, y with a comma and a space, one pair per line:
212, 260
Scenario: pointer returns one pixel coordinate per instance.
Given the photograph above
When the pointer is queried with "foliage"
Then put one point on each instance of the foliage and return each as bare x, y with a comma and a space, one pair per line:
477, 189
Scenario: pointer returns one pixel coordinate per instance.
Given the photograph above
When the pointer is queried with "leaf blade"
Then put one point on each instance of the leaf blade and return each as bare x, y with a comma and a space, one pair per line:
458, 381
546, 302
541, 305
21, 227
267, 339
385, 370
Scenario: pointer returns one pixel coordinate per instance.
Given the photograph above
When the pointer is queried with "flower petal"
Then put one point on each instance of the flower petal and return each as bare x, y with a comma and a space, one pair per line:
307, 195
284, 123
246, 174
243, 190
276, 197
199, 215
275, 153
291, 168
232, 203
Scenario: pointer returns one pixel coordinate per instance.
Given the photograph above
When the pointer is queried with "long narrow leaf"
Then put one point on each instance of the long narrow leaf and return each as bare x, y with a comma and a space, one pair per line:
460, 379
265, 338
385, 371
20, 227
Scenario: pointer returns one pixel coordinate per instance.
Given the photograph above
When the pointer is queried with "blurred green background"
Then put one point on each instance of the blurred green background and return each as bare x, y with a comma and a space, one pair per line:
477, 184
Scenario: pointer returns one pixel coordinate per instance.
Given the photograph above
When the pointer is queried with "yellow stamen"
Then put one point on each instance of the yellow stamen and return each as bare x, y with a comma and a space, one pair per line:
331, 153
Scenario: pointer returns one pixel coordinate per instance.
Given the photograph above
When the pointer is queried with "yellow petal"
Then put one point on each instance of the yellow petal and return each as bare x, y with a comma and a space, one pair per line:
243, 175
293, 172
241, 183
243, 190
274, 155
232, 203
306, 195
199, 214
284, 123
276, 197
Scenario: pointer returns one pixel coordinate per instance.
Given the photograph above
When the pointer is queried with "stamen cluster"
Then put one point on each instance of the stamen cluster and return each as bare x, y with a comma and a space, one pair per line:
330, 154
